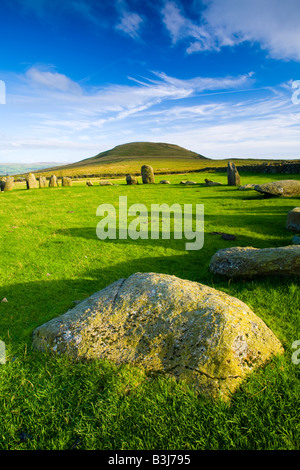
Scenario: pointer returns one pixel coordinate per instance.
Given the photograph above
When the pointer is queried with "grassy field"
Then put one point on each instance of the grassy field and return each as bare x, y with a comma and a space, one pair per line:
51, 257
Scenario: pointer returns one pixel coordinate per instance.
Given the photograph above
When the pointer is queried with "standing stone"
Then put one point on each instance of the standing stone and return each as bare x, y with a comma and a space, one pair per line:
89, 183
147, 174
131, 179
66, 181
9, 183
164, 324
31, 181
42, 181
53, 182
233, 176
2, 184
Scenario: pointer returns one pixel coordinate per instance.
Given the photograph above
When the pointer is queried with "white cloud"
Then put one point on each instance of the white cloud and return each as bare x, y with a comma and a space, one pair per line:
274, 24
48, 115
130, 24
52, 80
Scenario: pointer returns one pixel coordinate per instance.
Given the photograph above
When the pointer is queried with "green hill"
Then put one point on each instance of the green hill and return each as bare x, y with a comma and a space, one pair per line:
128, 158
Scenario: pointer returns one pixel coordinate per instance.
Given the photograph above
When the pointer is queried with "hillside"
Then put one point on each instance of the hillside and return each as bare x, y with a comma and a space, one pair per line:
128, 158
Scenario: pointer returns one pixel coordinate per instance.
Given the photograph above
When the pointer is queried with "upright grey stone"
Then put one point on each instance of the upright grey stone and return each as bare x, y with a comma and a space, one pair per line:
131, 179
31, 181
147, 174
9, 183
293, 219
233, 176
53, 182
66, 181
42, 181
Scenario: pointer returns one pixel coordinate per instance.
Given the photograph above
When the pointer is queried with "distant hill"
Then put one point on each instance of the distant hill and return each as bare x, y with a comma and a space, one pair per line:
129, 157
18, 168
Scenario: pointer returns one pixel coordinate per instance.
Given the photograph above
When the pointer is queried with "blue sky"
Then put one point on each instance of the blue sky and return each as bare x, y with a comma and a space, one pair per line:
219, 77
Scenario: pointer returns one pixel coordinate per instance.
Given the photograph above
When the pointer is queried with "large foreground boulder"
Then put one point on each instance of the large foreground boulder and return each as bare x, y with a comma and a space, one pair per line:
147, 174
284, 188
165, 324
248, 262
293, 219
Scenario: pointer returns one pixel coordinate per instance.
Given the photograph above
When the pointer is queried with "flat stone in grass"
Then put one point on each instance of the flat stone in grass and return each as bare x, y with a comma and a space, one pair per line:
165, 325
246, 187
164, 182
212, 183
147, 174
89, 183
31, 182
293, 219
53, 182
105, 183
283, 188
240, 262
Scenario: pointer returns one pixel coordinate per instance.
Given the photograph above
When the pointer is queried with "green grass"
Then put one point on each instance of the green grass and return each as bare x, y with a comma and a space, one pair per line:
50, 257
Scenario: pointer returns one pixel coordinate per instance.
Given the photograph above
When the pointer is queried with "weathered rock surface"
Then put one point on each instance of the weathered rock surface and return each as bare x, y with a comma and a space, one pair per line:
188, 182
31, 181
66, 181
246, 187
212, 183
53, 182
165, 324
233, 177
9, 183
147, 174
293, 219
42, 182
130, 179
248, 262
284, 188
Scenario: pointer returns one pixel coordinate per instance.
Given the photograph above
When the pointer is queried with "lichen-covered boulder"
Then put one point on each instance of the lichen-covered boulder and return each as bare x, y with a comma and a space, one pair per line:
31, 182
147, 174
283, 188
248, 261
169, 325
293, 219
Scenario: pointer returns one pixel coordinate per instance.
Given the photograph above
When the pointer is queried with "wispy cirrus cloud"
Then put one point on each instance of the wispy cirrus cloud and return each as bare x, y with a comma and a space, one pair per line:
48, 111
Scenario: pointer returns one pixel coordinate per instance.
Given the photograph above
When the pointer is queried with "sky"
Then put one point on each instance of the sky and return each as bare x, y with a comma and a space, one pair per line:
218, 77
